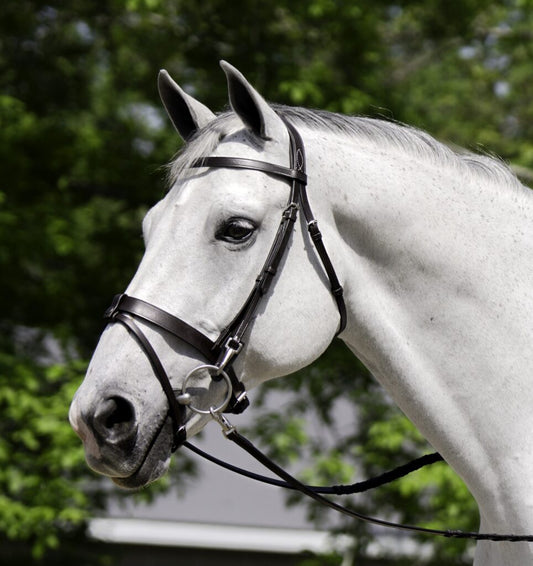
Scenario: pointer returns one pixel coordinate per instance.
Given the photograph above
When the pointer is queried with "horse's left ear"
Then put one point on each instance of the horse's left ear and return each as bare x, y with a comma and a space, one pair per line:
187, 114
251, 107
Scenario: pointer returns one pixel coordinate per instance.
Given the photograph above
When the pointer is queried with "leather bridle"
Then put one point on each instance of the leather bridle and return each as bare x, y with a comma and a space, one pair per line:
221, 353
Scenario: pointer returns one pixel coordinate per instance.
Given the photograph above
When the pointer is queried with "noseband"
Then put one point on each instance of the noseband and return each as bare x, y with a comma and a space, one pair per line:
222, 353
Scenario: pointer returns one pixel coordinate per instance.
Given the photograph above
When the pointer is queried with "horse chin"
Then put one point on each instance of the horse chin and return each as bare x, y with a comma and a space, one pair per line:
154, 464
145, 475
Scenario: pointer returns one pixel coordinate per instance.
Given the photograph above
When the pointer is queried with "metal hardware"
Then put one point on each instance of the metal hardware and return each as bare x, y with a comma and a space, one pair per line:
232, 347
186, 397
227, 427
241, 397
291, 212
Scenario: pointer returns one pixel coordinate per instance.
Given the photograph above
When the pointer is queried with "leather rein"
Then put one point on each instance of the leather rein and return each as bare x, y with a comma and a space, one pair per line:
221, 353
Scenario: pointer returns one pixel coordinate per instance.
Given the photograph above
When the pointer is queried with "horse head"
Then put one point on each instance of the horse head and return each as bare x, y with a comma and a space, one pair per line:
206, 242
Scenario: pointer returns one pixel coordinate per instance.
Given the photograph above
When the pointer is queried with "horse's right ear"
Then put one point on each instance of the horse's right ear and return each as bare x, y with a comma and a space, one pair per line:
186, 113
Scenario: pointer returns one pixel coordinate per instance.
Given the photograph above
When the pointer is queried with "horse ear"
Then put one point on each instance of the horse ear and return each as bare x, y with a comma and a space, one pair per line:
250, 106
187, 114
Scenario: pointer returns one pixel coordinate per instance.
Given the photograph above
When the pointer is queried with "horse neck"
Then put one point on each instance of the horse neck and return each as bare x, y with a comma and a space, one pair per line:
437, 268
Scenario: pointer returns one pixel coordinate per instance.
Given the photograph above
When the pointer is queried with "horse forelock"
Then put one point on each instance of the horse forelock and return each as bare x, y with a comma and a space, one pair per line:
385, 134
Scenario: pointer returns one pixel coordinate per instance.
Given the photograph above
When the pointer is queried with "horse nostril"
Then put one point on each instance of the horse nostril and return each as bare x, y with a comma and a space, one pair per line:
114, 420
119, 414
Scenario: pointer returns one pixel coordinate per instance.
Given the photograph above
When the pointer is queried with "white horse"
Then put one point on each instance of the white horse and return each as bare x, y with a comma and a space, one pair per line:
435, 253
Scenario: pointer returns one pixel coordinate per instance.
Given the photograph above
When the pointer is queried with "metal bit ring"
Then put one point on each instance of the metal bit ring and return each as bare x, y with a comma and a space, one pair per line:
185, 399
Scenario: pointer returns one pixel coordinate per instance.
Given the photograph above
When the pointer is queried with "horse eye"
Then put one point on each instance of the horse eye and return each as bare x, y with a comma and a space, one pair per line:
236, 230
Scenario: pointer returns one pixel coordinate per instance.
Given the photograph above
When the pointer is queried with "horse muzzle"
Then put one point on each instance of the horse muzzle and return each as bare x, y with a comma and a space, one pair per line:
116, 445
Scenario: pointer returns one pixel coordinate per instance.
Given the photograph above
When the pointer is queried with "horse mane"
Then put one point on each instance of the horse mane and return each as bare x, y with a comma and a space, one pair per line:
382, 133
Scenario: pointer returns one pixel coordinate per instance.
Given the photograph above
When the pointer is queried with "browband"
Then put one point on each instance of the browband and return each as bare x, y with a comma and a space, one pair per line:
252, 165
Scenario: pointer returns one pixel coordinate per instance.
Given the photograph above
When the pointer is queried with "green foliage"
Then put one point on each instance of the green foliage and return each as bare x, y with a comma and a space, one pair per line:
82, 142
46, 489
42, 467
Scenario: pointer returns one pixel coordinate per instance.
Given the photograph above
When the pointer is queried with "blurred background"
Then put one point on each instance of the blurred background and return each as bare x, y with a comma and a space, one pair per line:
83, 143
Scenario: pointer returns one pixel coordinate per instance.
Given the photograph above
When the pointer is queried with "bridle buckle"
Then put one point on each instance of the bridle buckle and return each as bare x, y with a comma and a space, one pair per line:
225, 425
232, 347
291, 212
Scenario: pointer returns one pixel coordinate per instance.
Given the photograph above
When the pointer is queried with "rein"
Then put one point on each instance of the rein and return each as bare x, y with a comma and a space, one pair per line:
359, 487
315, 493
222, 352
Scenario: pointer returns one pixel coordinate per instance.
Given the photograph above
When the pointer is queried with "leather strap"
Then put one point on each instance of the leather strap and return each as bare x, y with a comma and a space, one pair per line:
176, 411
173, 325
252, 165
358, 487
316, 236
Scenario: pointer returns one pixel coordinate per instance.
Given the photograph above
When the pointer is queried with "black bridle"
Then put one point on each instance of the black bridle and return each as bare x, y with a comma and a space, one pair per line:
221, 353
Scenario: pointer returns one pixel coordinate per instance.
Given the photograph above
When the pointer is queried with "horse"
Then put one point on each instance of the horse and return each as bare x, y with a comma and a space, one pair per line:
430, 255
